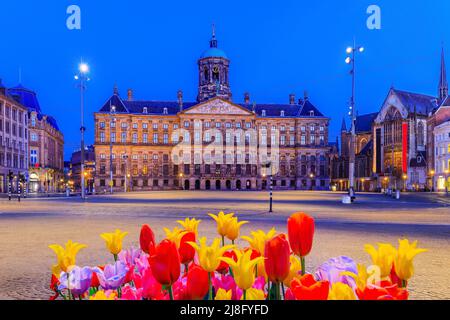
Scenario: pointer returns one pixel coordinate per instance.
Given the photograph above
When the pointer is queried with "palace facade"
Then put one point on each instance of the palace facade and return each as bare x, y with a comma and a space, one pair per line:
213, 143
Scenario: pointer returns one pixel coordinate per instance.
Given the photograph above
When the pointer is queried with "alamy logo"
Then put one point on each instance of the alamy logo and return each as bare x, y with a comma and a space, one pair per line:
374, 19
73, 22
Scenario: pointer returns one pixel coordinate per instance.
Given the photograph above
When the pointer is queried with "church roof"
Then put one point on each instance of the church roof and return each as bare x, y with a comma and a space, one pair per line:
416, 102
306, 109
364, 122
214, 53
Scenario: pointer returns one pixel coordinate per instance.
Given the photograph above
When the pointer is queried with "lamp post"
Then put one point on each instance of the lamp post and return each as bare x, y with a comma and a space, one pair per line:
447, 183
82, 77
351, 51
125, 158
112, 120
405, 177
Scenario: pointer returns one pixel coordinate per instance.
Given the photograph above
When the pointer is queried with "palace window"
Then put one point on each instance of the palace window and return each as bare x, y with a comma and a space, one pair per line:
145, 126
313, 139
123, 137
263, 113
238, 125
283, 140
102, 125
248, 125
145, 138
218, 124
135, 157
292, 140
155, 138
165, 126
113, 137
282, 113
102, 156
34, 137
113, 124
124, 125
175, 138
175, 126
155, 126
165, 111
186, 124
303, 140
135, 138
166, 138
207, 124
33, 157
145, 110
135, 125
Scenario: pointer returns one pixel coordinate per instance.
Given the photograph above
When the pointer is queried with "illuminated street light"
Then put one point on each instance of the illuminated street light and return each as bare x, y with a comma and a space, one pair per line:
351, 60
82, 77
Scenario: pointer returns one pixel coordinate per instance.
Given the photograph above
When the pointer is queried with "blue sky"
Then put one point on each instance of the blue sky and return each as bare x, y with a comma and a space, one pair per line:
275, 47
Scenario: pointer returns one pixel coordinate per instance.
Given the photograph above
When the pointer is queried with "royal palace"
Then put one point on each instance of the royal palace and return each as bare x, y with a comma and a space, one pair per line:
214, 143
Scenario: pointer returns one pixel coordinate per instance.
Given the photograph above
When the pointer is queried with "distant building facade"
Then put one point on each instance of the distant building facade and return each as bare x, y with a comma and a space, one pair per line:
144, 135
363, 159
74, 174
46, 145
13, 140
441, 133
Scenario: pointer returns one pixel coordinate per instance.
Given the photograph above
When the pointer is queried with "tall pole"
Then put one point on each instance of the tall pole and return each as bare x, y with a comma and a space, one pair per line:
82, 77
351, 171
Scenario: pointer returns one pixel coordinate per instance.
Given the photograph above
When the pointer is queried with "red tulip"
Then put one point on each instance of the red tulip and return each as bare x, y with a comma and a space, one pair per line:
301, 233
151, 289
385, 291
223, 267
277, 253
95, 283
307, 288
54, 282
147, 239
197, 283
165, 263
187, 252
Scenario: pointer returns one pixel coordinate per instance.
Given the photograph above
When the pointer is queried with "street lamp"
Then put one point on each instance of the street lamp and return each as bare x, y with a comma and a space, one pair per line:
432, 173
125, 158
405, 177
351, 51
82, 77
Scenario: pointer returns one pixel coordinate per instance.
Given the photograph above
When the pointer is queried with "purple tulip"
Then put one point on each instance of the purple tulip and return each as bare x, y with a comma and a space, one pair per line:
78, 280
332, 271
130, 256
113, 276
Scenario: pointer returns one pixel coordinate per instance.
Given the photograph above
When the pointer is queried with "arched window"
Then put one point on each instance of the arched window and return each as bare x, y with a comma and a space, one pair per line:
420, 134
206, 74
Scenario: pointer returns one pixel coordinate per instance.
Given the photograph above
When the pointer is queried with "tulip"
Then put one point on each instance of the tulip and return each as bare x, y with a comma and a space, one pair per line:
277, 253
112, 276
186, 251
234, 228
165, 264
223, 266
294, 271
341, 291
190, 225
362, 277
101, 295
307, 288
243, 269
227, 283
301, 234
66, 256
223, 295
223, 221
147, 239
403, 260
197, 283
151, 289
254, 295
175, 235
78, 280
210, 257
385, 291
258, 239
114, 241
131, 294
383, 257
333, 269
54, 283
130, 256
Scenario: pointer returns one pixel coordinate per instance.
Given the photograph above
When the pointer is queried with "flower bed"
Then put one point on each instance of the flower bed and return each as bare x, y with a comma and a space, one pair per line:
272, 267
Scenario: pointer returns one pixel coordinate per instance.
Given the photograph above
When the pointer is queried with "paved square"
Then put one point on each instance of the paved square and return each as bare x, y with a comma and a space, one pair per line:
26, 229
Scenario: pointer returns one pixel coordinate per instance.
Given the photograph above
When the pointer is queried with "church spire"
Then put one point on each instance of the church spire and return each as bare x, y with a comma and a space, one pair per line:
213, 42
443, 84
343, 126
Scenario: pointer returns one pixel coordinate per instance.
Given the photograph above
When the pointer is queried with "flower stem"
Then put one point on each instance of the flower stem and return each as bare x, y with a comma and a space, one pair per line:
115, 258
303, 262
186, 268
210, 293
245, 294
404, 284
171, 292
282, 290
223, 241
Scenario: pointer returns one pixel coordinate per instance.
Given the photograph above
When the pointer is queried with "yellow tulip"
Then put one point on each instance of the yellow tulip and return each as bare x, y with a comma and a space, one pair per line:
234, 228
243, 269
175, 235
210, 256
383, 257
190, 225
341, 291
254, 294
294, 271
223, 221
114, 241
403, 260
100, 295
66, 256
258, 239
362, 278
223, 295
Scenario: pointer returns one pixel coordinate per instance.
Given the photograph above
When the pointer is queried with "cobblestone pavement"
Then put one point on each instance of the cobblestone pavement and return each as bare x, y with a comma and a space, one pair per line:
26, 229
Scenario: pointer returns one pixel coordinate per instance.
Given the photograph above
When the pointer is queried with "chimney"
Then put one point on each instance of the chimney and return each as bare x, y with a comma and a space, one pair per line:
300, 101
247, 98
180, 99
292, 98
130, 94
305, 94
